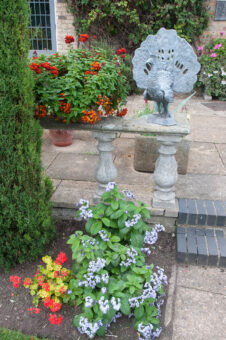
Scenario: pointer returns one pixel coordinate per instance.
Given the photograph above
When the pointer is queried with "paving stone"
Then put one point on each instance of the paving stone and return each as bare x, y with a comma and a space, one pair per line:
211, 279
183, 211
181, 230
192, 246
201, 212
211, 213
212, 248
222, 247
199, 315
192, 212
47, 158
221, 217
222, 151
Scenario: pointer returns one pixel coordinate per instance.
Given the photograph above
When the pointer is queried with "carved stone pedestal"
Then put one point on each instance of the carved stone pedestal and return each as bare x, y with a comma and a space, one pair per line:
165, 175
105, 171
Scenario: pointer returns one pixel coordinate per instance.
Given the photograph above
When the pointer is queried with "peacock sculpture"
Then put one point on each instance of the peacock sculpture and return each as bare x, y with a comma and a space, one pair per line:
162, 65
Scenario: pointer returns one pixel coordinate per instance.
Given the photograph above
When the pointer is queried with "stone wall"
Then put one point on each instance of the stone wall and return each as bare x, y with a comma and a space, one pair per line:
64, 25
215, 27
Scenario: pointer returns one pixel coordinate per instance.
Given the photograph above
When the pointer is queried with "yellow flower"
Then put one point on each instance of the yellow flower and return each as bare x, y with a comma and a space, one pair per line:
47, 259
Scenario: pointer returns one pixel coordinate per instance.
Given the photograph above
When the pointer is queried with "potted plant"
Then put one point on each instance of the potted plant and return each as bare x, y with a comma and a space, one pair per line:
83, 86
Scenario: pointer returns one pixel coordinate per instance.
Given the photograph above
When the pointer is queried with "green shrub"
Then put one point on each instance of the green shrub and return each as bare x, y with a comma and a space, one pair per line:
129, 22
212, 76
25, 209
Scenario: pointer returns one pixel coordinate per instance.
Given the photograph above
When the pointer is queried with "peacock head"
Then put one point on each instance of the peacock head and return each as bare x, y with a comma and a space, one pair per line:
150, 62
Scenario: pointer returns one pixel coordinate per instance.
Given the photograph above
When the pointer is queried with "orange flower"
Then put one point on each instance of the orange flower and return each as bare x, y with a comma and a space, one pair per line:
83, 37
122, 113
96, 66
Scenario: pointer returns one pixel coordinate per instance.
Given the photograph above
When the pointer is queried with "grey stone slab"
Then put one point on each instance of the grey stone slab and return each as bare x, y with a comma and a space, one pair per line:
207, 129
205, 159
68, 193
47, 158
221, 148
200, 232
204, 187
221, 215
181, 230
192, 212
211, 279
56, 183
201, 212
199, 315
209, 232
72, 166
183, 211
211, 213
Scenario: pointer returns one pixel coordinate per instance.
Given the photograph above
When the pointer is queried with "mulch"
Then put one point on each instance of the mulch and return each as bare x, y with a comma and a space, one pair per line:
14, 303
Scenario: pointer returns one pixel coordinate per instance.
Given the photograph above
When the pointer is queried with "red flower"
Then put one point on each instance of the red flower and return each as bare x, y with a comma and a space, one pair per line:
34, 310
69, 39
64, 273
46, 65
122, 56
61, 258
62, 290
55, 306
55, 320
122, 113
83, 37
48, 302
46, 287
27, 282
54, 71
95, 66
94, 36
15, 280
56, 273
121, 51
35, 67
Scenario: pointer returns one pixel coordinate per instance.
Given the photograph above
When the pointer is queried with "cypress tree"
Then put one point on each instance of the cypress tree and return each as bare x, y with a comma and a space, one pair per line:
25, 209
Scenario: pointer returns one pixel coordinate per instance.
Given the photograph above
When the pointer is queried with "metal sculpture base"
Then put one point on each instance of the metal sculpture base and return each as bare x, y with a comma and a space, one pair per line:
161, 120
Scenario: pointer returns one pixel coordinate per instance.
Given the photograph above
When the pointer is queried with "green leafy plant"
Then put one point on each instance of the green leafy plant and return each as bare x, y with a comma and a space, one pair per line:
110, 274
82, 86
26, 226
129, 22
212, 76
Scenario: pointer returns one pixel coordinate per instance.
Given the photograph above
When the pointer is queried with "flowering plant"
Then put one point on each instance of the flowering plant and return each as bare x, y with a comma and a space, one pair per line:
50, 283
212, 58
111, 277
81, 86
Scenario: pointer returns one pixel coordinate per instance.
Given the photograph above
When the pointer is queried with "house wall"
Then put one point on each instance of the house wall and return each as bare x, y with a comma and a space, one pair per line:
215, 27
64, 25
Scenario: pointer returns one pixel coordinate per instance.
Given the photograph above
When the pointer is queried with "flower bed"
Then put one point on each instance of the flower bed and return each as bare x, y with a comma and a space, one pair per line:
109, 274
82, 86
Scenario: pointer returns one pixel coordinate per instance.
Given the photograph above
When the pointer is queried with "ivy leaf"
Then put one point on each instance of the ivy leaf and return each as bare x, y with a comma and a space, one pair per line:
137, 239
115, 239
89, 224
117, 214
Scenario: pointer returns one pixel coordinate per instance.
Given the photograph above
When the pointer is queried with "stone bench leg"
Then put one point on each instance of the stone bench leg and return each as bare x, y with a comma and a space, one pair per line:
165, 175
105, 171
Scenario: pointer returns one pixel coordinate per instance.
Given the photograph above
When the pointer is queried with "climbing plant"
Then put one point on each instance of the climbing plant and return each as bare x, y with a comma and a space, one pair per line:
130, 21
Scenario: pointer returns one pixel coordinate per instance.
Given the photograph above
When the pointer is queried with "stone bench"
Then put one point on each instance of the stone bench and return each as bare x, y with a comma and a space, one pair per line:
105, 131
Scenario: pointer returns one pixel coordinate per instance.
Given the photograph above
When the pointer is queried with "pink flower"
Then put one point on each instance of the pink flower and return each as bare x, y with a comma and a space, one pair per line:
217, 46
200, 48
221, 33
213, 55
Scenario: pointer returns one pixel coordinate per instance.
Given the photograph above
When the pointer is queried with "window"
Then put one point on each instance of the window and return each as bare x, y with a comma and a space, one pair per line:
42, 26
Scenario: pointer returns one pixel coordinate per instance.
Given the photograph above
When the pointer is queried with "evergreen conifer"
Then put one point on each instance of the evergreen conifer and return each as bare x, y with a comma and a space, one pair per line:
25, 209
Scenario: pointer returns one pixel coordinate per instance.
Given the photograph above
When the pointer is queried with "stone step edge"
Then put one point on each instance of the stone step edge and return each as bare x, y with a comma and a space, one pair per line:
202, 212
201, 246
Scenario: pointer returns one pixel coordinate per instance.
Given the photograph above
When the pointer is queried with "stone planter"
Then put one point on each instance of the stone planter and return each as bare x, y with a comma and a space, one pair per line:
61, 137
146, 154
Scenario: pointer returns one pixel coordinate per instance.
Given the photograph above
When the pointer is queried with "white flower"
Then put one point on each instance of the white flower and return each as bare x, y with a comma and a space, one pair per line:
222, 72
131, 223
88, 301
89, 328
104, 305
116, 304
209, 75
110, 186
223, 82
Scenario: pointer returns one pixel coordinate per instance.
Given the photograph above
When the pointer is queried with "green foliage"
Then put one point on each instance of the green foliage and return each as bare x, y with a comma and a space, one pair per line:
82, 77
130, 21
212, 76
25, 218
6, 334
110, 275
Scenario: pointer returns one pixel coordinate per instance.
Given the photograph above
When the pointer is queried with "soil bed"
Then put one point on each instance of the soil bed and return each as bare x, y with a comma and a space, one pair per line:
14, 303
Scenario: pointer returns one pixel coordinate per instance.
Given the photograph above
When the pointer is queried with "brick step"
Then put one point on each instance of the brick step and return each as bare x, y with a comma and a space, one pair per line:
198, 212
202, 246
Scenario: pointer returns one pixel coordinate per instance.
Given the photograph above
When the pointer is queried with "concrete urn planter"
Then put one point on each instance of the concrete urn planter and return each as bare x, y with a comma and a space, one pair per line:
146, 154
